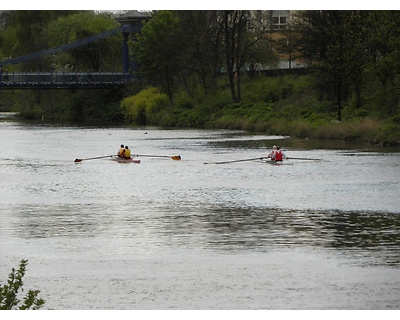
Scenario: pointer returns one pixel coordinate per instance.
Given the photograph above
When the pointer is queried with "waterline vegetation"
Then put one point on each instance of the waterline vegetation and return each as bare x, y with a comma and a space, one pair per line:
287, 105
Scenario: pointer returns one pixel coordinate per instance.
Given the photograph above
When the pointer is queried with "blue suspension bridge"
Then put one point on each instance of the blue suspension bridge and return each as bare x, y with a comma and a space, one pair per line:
84, 80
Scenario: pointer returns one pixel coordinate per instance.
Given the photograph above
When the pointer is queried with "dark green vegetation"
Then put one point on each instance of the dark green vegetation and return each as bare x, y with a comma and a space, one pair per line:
9, 292
189, 62
23, 32
287, 105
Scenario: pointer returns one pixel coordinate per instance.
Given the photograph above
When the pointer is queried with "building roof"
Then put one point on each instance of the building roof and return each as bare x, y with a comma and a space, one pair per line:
133, 16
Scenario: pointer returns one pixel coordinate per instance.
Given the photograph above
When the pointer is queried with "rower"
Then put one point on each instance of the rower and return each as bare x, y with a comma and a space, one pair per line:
279, 155
272, 153
121, 151
127, 153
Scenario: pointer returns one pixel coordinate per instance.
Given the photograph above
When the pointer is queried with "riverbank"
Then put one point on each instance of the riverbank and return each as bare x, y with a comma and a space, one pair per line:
286, 105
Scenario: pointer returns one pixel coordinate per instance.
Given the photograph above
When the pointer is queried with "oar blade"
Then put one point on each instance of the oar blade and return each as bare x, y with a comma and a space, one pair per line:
176, 157
78, 160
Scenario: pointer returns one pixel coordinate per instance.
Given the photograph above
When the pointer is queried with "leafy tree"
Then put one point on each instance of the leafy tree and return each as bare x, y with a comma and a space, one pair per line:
27, 27
9, 292
384, 53
180, 49
159, 50
103, 54
23, 32
203, 47
189, 47
54, 29
244, 39
335, 41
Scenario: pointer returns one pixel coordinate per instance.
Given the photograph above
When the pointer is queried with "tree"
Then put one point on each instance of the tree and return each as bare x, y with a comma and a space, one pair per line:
103, 54
159, 50
384, 54
244, 39
24, 32
335, 42
203, 47
27, 27
9, 292
182, 47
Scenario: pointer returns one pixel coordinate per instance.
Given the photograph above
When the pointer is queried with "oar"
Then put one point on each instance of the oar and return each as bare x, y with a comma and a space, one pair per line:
251, 159
154, 156
80, 160
290, 158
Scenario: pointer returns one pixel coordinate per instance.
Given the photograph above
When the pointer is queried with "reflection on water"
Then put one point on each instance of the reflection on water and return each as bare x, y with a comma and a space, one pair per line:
37, 221
255, 230
371, 235
262, 142
346, 203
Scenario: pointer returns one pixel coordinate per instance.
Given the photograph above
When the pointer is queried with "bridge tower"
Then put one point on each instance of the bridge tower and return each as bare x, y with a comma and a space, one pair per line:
133, 23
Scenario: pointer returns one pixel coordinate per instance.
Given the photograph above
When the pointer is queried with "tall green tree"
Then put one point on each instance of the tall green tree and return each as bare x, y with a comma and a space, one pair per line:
159, 49
103, 54
203, 46
234, 24
52, 29
190, 47
244, 38
384, 53
27, 28
181, 48
335, 43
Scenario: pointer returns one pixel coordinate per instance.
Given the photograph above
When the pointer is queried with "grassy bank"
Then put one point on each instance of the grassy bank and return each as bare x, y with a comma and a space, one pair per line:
285, 105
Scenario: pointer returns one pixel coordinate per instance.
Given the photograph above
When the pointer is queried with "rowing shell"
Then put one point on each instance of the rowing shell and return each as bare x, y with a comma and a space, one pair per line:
125, 160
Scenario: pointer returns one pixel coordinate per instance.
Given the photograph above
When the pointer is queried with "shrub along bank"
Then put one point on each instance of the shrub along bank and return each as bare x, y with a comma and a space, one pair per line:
287, 105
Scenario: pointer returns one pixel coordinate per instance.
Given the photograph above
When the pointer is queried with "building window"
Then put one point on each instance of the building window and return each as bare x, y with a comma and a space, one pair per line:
279, 23
280, 19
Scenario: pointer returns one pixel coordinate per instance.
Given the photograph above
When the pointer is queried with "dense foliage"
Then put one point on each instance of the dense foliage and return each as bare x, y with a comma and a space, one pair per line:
18, 31
101, 55
207, 64
188, 49
146, 103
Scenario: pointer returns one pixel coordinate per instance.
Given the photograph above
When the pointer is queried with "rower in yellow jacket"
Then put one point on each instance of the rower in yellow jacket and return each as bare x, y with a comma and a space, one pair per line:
127, 153
121, 151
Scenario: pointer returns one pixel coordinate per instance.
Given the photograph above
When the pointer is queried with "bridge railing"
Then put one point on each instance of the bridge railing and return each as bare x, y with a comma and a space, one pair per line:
63, 79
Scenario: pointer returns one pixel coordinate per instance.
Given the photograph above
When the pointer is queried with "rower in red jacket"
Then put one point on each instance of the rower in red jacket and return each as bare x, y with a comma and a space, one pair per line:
279, 155
276, 154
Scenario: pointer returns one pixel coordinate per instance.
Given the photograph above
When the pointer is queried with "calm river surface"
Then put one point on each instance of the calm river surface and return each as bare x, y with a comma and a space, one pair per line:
192, 234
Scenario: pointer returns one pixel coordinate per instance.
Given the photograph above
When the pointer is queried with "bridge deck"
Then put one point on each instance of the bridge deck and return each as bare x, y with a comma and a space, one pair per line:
62, 80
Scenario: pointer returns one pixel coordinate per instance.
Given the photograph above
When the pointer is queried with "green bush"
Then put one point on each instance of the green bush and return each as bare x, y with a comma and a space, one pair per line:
388, 135
139, 108
183, 101
9, 292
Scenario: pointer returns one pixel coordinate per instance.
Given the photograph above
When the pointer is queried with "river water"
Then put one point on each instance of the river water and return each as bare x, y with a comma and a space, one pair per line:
193, 234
